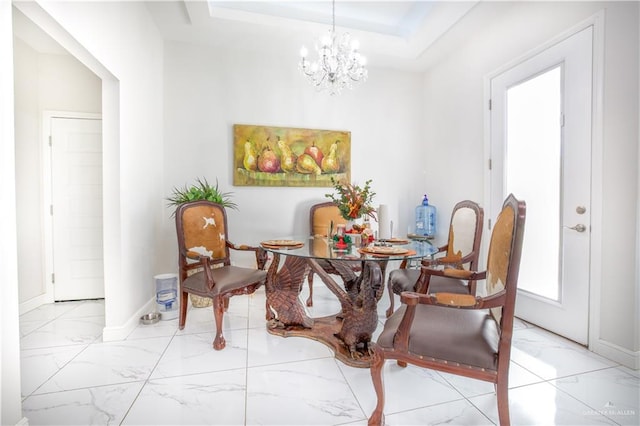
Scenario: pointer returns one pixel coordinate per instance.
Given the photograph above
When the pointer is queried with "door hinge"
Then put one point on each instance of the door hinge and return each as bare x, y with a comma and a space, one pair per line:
561, 120
50, 141
53, 278
490, 164
489, 224
490, 105
51, 209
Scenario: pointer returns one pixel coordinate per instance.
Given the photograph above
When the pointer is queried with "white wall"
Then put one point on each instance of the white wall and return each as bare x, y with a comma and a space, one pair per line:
120, 43
42, 82
207, 90
453, 93
10, 398
122, 38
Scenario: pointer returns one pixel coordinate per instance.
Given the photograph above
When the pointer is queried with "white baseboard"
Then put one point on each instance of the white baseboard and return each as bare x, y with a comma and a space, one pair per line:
23, 422
113, 334
617, 353
34, 303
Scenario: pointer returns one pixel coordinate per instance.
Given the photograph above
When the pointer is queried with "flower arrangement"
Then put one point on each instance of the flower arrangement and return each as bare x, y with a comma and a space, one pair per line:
352, 200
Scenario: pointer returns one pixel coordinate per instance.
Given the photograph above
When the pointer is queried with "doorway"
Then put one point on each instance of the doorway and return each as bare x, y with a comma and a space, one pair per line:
73, 183
540, 150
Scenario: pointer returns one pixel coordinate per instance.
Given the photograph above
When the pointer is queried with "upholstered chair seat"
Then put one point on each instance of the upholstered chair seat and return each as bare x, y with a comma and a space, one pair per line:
457, 333
204, 259
460, 252
408, 280
467, 337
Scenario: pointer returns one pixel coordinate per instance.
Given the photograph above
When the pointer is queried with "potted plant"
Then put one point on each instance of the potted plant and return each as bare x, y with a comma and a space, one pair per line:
201, 190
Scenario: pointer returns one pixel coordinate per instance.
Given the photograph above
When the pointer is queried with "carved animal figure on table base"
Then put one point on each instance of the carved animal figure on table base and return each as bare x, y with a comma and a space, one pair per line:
282, 288
360, 316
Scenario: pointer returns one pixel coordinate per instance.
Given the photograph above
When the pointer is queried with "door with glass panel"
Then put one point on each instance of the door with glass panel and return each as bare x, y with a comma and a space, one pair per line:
541, 152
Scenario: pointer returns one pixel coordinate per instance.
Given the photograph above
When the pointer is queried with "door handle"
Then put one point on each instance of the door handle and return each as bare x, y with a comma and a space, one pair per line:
579, 227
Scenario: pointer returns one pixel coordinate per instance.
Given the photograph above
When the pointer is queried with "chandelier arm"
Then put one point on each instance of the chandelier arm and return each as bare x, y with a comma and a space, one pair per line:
339, 63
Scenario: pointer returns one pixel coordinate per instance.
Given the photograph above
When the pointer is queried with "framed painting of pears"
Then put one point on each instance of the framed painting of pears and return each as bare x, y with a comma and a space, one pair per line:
285, 156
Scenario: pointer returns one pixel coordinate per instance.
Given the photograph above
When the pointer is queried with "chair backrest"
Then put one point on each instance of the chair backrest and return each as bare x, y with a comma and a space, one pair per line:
503, 258
202, 228
465, 231
320, 217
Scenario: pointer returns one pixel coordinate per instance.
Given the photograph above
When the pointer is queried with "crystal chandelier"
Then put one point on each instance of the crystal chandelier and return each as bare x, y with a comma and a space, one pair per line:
339, 63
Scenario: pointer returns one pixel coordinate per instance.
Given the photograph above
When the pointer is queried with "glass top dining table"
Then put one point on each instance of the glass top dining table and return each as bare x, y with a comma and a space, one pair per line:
361, 270
321, 247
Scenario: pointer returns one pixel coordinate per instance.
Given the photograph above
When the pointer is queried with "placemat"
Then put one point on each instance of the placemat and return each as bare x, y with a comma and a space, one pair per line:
282, 244
386, 251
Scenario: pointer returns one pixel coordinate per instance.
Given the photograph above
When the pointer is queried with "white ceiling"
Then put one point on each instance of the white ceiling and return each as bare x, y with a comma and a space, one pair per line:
391, 33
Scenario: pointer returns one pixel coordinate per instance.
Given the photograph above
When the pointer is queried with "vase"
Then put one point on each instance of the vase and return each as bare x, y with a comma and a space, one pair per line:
357, 221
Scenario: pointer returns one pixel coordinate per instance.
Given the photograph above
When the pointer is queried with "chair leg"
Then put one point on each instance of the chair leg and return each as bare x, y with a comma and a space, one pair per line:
391, 299
502, 395
310, 280
183, 310
377, 362
218, 311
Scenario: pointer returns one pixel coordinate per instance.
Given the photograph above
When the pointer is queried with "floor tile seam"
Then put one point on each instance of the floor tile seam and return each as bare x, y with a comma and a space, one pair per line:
47, 322
148, 378
127, 339
355, 396
289, 362
85, 388
453, 386
199, 373
436, 405
58, 346
540, 378
575, 398
80, 317
595, 370
86, 346
159, 359
480, 410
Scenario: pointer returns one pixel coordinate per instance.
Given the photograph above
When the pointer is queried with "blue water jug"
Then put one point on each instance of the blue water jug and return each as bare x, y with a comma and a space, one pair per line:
426, 219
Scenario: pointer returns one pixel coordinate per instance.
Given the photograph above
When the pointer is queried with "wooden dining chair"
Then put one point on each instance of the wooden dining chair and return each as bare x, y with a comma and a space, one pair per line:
455, 333
321, 217
204, 261
461, 252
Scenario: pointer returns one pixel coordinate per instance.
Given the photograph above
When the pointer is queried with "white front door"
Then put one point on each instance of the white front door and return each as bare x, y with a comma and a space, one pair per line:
541, 152
76, 208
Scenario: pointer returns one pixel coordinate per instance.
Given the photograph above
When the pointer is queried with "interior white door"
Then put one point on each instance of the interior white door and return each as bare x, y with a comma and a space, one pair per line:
541, 152
76, 194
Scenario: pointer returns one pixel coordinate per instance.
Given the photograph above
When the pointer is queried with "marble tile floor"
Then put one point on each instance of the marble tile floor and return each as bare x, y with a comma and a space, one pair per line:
162, 376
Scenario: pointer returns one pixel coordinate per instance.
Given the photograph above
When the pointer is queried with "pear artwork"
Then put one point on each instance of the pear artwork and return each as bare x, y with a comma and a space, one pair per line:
315, 153
287, 157
291, 157
250, 161
268, 161
307, 164
330, 163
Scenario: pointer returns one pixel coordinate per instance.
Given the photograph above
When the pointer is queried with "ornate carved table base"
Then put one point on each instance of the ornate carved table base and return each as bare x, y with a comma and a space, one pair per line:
348, 332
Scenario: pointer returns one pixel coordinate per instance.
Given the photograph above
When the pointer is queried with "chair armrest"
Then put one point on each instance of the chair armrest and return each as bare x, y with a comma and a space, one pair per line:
206, 263
454, 300
241, 247
463, 274
261, 254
